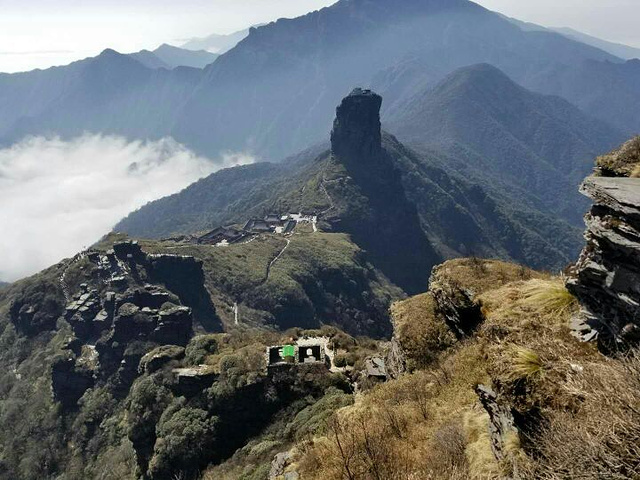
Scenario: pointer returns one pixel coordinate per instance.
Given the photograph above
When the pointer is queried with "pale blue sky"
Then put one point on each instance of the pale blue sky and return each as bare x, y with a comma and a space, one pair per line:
42, 33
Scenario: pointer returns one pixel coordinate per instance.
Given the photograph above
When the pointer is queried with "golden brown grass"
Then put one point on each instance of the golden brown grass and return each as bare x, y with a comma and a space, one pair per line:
428, 425
422, 334
549, 297
623, 161
600, 439
480, 275
529, 345
410, 428
525, 363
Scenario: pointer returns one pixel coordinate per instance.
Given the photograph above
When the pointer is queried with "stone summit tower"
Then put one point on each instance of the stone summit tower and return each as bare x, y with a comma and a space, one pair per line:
357, 128
375, 209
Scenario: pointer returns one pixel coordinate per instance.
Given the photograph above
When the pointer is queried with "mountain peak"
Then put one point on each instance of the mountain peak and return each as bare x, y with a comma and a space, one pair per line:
356, 128
109, 52
481, 73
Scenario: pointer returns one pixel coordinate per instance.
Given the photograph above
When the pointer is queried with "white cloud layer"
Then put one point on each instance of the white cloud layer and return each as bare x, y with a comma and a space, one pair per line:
57, 197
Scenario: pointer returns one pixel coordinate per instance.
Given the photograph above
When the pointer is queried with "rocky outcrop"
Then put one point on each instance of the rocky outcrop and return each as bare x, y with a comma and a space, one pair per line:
457, 284
145, 327
132, 303
184, 276
37, 308
86, 314
370, 201
455, 301
193, 380
160, 357
278, 466
456, 304
356, 128
395, 358
606, 276
501, 421
69, 380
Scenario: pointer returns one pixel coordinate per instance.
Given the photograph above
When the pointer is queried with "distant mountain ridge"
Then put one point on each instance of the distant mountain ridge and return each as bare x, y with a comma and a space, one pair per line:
384, 195
217, 43
269, 94
170, 57
501, 131
618, 49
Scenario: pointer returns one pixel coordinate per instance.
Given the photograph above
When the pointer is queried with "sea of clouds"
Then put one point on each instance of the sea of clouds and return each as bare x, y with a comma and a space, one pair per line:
58, 197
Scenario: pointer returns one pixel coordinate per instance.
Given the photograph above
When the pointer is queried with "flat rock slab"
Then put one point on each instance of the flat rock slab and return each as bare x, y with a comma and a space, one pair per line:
618, 193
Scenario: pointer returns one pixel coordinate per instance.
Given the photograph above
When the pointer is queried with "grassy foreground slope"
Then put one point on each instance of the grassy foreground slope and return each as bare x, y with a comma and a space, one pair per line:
572, 407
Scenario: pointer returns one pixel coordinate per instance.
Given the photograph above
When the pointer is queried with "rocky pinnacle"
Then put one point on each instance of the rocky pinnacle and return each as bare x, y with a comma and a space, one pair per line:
356, 129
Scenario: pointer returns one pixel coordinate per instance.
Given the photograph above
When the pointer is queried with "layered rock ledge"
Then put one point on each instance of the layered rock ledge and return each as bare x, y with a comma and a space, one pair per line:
606, 277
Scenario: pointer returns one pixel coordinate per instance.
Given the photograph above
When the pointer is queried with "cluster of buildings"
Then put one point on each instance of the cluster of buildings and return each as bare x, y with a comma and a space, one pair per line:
271, 223
316, 350
303, 351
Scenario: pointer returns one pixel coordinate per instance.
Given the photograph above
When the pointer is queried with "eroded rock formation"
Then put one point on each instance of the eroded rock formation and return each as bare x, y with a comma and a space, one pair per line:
374, 208
131, 304
606, 278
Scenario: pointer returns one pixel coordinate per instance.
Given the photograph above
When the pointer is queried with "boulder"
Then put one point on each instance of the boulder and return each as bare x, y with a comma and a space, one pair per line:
69, 381
149, 296
193, 380
457, 284
129, 251
159, 357
132, 324
174, 325
501, 421
455, 302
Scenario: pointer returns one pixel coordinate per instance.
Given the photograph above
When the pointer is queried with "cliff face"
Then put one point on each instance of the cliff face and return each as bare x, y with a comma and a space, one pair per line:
377, 213
605, 278
356, 128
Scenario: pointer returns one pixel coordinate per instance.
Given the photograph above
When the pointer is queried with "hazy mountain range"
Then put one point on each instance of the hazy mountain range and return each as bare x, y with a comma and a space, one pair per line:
217, 43
457, 213
619, 50
169, 57
506, 135
271, 93
465, 135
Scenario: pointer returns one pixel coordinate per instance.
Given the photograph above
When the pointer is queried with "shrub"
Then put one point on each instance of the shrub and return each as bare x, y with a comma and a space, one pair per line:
147, 401
199, 348
623, 161
185, 436
525, 363
549, 296
340, 360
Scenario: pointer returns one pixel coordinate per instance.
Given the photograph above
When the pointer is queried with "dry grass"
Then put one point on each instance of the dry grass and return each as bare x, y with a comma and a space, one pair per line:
549, 297
530, 347
421, 332
525, 363
411, 428
583, 409
479, 454
623, 161
480, 275
601, 438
